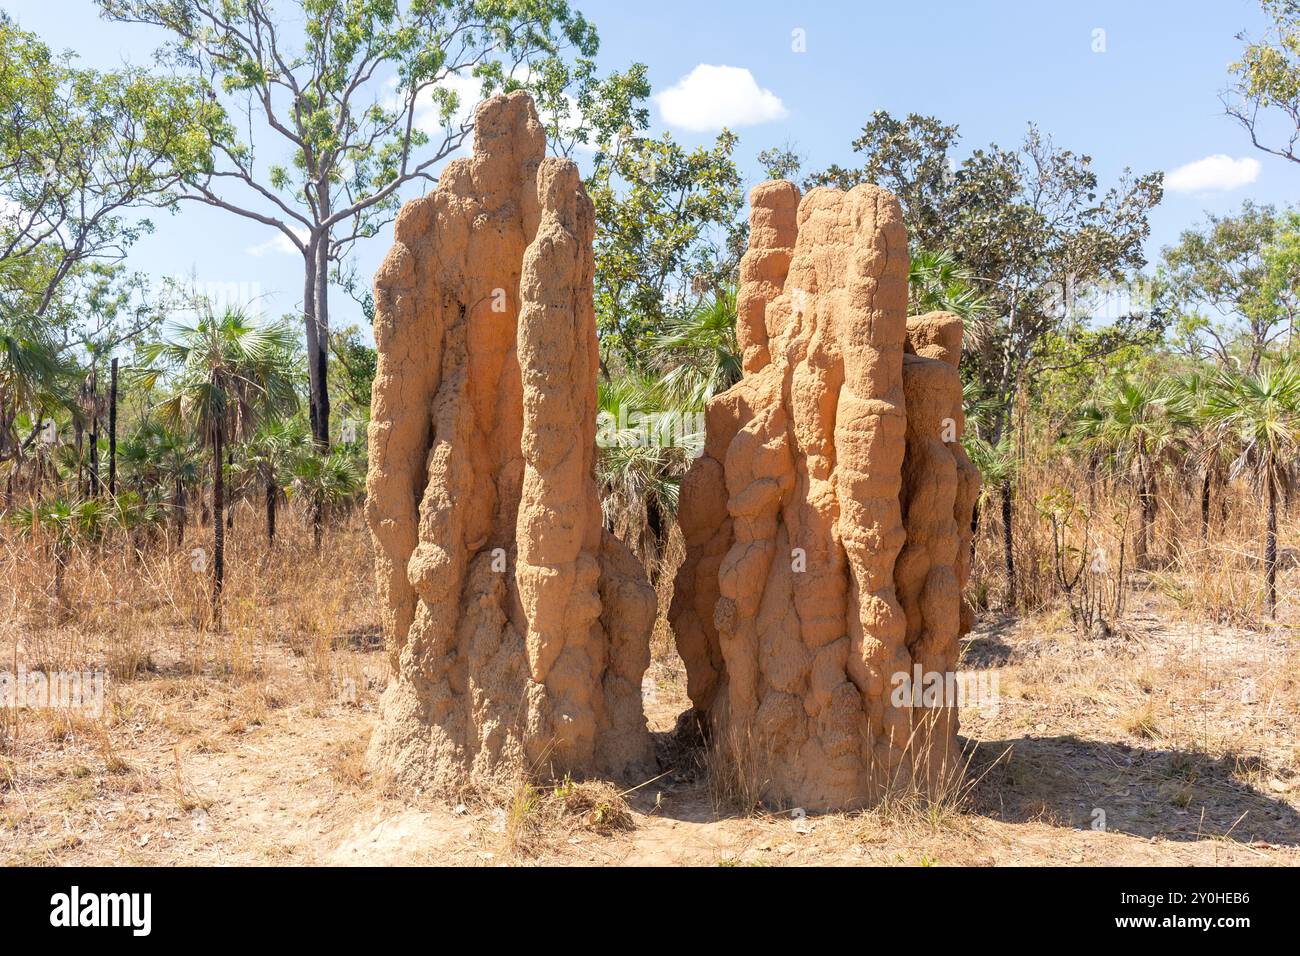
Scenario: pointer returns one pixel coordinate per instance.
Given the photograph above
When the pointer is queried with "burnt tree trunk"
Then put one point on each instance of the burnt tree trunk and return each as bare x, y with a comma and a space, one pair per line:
1205, 504
94, 432
1270, 549
112, 429
1008, 550
218, 525
270, 513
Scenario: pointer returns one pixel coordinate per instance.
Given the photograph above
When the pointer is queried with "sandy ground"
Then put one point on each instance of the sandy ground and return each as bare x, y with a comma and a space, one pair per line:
1167, 745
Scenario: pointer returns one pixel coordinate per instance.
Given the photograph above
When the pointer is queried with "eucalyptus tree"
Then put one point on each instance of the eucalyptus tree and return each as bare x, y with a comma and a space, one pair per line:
1234, 284
362, 98
82, 153
667, 236
1266, 79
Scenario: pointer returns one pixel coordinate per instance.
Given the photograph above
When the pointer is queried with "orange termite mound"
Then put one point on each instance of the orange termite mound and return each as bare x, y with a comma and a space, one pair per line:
827, 523
518, 629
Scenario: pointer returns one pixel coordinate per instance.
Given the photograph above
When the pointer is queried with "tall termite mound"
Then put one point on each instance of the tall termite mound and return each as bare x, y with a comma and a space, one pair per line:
518, 629
827, 523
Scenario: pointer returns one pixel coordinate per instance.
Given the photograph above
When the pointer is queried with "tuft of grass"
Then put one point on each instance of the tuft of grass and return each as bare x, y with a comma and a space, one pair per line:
540, 818
1141, 721
347, 763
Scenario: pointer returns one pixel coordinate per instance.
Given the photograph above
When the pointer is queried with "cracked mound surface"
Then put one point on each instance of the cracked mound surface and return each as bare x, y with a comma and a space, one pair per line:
518, 629
827, 523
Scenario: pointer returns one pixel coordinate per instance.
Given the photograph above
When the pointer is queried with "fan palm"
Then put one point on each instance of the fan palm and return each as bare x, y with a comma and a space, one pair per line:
33, 379
325, 480
160, 461
1190, 395
996, 464
229, 372
699, 352
66, 522
1134, 425
271, 453
937, 282
1258, 413
646, 446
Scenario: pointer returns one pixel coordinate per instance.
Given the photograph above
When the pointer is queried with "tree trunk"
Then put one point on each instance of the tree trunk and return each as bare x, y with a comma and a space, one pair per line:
76, 429
230, 511
1205, 505
112, 429
1150, 504
322, 304
94, 432
1270, 549
270, 513
179, 508
218, 525
310, 334
1007, 542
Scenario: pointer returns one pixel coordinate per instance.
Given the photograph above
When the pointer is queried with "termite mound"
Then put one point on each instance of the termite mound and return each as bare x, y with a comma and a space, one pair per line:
827, 523
518, 629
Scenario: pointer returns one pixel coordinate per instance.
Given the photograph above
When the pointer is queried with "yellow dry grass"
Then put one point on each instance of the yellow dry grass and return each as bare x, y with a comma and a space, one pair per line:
1171, 740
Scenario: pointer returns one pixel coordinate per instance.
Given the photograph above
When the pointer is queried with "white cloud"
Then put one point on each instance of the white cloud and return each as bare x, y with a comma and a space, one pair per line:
279, 243
711, 97
1213, 173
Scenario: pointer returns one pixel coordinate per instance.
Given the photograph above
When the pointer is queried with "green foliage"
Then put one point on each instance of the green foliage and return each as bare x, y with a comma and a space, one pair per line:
697, 353
780, 162
937, 282
995, 463
84, 522
154, 455
1257, 414
1131, 425
1030, 226
1233, 284
666, 233
354, 370
271, 454
645, 447
79, 148
327, 478
229, 372
33, 380
1267, 79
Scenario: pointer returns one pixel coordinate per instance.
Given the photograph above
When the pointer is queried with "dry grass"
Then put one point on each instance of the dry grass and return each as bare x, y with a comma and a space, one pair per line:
538, 819
1182, 725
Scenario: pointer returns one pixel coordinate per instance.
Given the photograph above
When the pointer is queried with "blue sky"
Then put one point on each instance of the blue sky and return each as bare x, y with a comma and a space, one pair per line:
1148, 99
